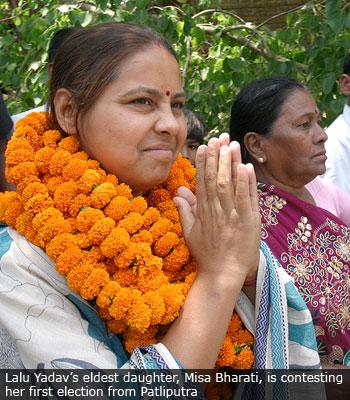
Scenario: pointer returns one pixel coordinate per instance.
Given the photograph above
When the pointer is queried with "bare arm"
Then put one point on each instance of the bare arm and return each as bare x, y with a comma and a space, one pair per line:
221, 228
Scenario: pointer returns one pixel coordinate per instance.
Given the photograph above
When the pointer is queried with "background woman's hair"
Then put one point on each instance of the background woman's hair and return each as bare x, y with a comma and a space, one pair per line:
257, 106
90, 59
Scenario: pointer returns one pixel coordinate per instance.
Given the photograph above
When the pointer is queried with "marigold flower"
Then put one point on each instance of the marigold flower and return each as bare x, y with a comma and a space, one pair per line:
92, 285
122, 302
100, 230
150, 216
177, 228
165, 244
94, 255
112, 179
139, 205
117, 208
160, 227
24, 222
93, 164
78, 275
177, 259
87, 217
134, 254
131, 222
102, 195
17, 143
38, 203
50, 138
117, 327
83, 240
135, 338
88, 180
68, 259
235, 324
158, 196
126, 277
139, 315
13, 211
21, 171
70, 144
115, 242
18, 156
53, 183
81, 155
74, 169
226, 354
244, 359
41, 218
142, 236
79, 202
58, 161
107, 294
32, 189
64, 195
157, 306
50, 229
243, 336
173, 299
123, 190
59, 244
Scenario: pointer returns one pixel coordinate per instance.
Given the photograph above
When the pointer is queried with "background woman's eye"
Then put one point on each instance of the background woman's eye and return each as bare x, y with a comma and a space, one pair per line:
305, 125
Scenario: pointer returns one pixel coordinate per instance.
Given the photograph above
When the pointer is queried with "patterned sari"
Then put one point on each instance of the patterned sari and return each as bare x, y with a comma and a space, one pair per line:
313, 246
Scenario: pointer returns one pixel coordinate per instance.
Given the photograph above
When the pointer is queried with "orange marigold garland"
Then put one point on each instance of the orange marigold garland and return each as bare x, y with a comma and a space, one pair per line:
126, 252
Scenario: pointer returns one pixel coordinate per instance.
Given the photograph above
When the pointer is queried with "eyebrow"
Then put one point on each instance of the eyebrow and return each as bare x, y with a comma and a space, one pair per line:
150, 91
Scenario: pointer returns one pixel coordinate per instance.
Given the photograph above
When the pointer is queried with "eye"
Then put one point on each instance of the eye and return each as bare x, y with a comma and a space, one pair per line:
193, 146
305, 125
178, 105
143, 100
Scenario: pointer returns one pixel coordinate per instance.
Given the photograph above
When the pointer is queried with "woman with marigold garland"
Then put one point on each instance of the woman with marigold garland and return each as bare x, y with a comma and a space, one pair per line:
97, 239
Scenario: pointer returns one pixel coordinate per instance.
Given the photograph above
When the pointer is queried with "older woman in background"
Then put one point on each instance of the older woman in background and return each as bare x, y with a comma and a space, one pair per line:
304, 221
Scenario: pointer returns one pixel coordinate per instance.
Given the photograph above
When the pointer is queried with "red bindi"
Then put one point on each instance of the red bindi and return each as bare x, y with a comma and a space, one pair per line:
167, 92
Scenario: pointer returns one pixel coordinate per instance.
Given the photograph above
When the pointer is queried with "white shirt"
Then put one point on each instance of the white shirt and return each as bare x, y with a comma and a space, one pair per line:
338, 151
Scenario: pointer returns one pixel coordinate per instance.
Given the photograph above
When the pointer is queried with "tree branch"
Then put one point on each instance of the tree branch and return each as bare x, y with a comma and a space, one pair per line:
265, 52
213, 11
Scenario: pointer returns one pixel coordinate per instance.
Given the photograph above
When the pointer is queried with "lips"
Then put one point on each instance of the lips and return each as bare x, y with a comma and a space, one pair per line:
320, 154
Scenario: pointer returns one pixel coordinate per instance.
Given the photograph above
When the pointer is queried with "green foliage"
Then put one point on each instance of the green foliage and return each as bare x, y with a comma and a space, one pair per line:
218, 51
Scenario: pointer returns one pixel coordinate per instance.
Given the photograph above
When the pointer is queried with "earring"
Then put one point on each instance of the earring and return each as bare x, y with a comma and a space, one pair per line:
261, 160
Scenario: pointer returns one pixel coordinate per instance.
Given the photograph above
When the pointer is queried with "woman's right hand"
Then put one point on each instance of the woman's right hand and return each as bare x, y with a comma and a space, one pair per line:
221, 224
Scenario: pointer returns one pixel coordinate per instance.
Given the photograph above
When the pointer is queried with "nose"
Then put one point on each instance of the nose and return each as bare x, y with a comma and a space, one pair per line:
321, 134
167, 122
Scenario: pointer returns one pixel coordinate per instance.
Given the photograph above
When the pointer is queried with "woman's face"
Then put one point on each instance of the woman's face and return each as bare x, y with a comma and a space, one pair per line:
295, 152
137, 127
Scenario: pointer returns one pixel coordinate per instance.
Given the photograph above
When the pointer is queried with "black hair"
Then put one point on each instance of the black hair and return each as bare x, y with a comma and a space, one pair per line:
346, 65
257, 106
195, 127
57, 39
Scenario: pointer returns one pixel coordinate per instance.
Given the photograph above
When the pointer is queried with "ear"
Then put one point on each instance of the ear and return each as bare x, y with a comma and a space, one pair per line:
344, 84
254, 143
66, 111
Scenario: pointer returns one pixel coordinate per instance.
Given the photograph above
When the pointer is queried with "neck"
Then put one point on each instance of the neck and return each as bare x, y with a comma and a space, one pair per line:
296, 188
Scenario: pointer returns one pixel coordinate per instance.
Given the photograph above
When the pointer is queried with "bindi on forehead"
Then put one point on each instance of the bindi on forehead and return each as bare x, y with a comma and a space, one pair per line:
167, 92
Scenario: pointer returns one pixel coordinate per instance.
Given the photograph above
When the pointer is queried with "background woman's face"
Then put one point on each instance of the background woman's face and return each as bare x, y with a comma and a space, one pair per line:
295, 149
137, 127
